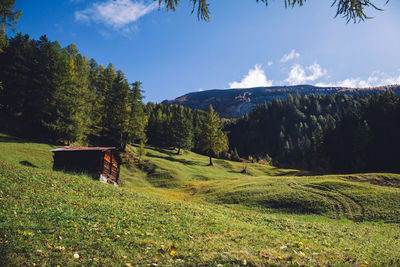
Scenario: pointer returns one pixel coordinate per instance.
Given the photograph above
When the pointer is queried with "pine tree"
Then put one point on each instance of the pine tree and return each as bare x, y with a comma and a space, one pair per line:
155, 129
181, 130
15, 64
213, 139
44, 72
71, 99
103, 99
95, 112
137, 119
118, 111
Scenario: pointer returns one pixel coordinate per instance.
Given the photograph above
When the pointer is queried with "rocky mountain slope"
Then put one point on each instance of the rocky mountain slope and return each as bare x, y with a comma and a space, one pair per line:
232, 103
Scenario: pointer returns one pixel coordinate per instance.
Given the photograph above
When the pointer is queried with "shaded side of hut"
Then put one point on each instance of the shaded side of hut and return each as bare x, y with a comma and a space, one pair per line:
101, 163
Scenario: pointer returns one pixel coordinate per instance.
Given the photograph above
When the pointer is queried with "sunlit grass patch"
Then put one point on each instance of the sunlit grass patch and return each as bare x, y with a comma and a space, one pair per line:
52, 218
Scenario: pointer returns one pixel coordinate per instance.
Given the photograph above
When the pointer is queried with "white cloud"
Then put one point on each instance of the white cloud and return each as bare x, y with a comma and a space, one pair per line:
292, 55
299, 75
377, 78
270, 63
200, 90
115, 13
255, 78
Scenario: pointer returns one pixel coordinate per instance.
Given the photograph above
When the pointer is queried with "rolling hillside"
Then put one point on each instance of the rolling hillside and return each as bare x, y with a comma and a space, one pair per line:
174, 210
232, 103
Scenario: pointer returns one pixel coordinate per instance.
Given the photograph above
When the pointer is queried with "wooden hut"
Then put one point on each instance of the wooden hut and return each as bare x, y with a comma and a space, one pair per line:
99, 162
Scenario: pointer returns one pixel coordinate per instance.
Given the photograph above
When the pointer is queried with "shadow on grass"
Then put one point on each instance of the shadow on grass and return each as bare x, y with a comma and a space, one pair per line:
185, 162
163, 150
11, 139
28, 164
289, 173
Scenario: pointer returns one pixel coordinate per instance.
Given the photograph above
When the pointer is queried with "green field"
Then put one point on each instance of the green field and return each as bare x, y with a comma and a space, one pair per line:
174, 210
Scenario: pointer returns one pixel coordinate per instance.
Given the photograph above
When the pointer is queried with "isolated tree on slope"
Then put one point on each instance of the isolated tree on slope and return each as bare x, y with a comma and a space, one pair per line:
351, 10
213, 140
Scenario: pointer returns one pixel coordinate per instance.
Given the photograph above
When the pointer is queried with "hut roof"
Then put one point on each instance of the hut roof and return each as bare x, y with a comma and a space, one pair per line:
76, 148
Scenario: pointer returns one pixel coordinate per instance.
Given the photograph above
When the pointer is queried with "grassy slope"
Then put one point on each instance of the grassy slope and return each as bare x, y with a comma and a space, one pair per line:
46, 217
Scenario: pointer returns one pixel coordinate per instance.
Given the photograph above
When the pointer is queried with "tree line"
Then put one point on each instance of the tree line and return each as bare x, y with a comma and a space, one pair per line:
325, 133
57, 94
183, 128
60, 95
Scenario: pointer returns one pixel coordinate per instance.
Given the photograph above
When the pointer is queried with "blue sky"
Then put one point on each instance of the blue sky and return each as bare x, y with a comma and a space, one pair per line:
245, 44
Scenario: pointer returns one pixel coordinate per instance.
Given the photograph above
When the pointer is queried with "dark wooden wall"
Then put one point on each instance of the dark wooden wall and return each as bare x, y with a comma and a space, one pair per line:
93, 163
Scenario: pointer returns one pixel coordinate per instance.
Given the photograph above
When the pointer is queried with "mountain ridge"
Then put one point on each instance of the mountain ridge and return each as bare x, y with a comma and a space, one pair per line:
233, 103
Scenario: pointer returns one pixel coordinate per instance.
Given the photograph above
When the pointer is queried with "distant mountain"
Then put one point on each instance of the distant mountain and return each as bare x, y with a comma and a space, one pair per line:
232, 103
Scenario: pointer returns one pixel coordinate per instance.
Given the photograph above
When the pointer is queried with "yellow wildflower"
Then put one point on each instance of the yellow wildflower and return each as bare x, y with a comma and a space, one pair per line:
173, 253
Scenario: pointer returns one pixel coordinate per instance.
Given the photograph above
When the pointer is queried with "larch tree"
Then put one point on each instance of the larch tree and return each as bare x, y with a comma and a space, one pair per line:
104, 103
71, 96
137, 119
213, 140
118, 111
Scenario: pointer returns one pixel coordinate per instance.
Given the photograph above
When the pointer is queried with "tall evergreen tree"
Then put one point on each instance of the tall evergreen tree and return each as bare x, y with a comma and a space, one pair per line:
45, 75
118, 111
103, 99
15, 65
155, 127
72, 98
137, 119
181, 130
213, 140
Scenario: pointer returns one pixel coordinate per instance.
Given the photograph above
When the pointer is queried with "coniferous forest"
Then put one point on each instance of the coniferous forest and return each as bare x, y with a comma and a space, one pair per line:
56, 94
324, 133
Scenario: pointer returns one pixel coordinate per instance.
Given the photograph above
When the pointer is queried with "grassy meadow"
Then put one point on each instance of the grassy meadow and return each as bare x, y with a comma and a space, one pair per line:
175, 210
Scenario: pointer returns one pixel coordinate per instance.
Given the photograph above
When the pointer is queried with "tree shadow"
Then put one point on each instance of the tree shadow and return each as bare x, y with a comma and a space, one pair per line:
295, 173
183, 161
28, 164
11, 139
163, 150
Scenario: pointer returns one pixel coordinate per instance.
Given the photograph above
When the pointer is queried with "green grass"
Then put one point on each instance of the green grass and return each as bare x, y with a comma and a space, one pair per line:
196, 215
20, 151
333, 197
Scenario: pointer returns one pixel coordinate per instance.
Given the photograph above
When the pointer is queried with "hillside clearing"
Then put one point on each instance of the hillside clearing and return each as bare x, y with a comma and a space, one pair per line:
47, 216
